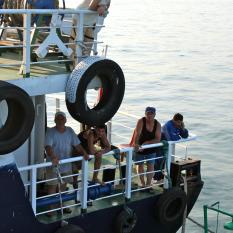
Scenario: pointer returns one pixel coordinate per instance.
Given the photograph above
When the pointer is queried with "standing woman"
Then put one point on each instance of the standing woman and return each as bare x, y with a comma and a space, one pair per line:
148, 131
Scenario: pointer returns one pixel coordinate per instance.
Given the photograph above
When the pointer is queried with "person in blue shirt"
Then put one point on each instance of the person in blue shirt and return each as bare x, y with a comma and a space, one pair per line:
174, 129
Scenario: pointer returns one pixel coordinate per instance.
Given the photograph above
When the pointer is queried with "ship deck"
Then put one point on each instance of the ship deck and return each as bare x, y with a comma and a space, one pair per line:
10, 66
104, 202
101, 204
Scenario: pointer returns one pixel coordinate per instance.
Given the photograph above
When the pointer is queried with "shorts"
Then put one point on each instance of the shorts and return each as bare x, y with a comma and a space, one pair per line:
76, 166
138, 157
51, 174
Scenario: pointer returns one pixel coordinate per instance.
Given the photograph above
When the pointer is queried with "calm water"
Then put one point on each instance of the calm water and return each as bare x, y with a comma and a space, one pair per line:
178, 56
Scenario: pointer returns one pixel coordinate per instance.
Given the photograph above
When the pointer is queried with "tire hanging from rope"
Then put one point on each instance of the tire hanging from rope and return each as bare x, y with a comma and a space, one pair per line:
112, 82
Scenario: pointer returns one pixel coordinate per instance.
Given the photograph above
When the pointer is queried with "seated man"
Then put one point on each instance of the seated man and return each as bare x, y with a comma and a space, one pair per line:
59, 142
174, 129
89, 139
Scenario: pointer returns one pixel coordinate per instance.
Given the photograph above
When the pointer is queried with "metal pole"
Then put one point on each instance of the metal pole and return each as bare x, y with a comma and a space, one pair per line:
33, 187
57, 104
84, 186
109, 131
128, 174
183, 173
25, 68
169, 157
79, 38
205, 219
167, 167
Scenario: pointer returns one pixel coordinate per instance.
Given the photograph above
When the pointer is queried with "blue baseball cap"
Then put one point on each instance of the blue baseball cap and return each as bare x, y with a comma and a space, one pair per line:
150, 109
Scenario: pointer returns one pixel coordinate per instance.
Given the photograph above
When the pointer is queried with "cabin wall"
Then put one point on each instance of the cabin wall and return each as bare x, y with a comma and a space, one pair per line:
32, 151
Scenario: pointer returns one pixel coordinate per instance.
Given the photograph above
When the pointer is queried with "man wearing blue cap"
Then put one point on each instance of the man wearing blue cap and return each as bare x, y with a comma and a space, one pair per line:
147, 131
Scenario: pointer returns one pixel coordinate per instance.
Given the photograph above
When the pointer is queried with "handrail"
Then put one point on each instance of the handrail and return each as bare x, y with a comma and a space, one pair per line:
46, 11
29, 36
85, 172
205, 209
47, 164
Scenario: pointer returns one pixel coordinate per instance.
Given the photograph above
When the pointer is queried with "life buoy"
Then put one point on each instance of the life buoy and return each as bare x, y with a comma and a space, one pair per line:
70, 228
170, 206
112, 84
125, 221
19, 120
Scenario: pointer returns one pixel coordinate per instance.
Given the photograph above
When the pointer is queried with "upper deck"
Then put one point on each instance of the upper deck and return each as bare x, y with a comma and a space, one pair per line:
43, 45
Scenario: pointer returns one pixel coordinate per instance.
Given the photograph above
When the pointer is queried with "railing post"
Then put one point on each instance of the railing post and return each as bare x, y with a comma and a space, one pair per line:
84, 186
205, 219
33, 189
128, 174
79, 38
25, 67
168, 166
57, 104
169, 157
95, 37
109, 131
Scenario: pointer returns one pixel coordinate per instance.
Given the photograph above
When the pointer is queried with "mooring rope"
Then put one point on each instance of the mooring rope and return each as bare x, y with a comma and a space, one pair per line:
199, 224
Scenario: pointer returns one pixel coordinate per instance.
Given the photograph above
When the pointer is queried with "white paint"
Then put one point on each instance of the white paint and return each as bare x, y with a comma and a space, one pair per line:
53, 39
7, 159
42, 85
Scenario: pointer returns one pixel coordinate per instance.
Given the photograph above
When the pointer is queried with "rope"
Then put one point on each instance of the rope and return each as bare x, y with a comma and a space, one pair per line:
117, 156
60, 182
217, 219
185, 211
198, 224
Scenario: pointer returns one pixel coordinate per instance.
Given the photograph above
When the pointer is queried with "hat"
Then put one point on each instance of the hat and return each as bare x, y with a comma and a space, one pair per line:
150, 109
60, 114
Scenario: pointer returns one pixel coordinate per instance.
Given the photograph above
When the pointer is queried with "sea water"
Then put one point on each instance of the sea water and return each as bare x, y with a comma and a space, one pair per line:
178, 57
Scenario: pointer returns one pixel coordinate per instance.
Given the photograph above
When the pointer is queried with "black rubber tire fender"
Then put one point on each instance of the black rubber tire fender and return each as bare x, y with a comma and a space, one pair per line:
70, 228
170, 206
113, 86
125, 221
20, 118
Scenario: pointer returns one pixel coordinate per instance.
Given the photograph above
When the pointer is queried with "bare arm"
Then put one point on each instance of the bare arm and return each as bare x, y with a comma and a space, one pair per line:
90, 143
106, 144
95, 4
52, 155
137, 133
81, 150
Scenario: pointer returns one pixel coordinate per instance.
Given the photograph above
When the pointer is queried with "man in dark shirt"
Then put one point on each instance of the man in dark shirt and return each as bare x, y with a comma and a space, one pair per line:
147, 131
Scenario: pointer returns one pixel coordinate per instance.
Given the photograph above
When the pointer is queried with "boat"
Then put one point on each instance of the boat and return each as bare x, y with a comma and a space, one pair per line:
31, 69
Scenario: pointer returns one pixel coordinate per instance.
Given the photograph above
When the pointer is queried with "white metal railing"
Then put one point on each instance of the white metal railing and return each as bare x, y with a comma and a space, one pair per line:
28, 32
83, 191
